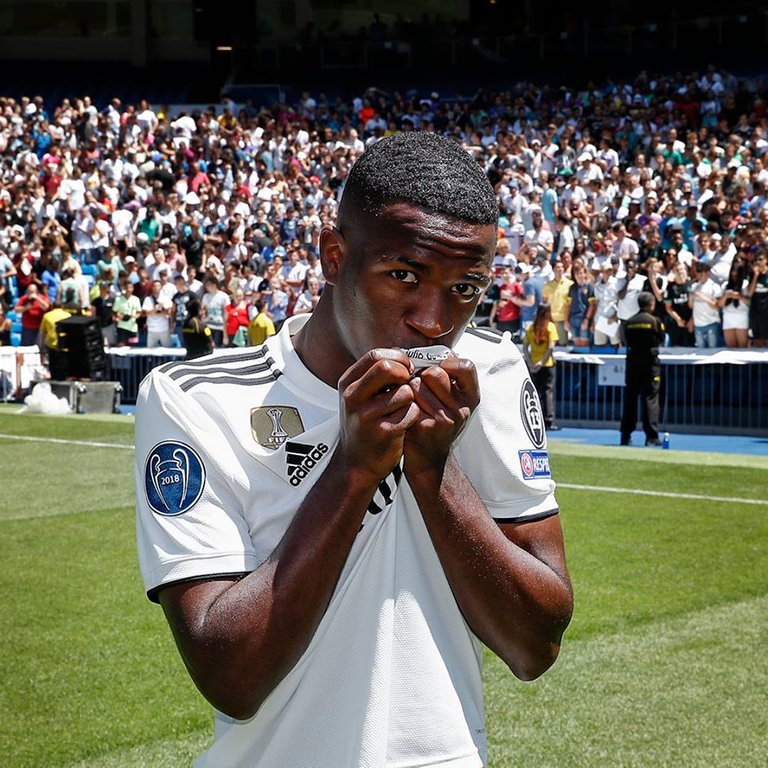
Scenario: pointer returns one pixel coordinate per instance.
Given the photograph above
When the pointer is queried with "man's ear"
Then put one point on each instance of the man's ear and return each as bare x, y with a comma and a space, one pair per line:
332, 248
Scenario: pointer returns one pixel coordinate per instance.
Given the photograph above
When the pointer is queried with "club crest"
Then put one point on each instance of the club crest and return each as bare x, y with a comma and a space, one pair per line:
174, 478
272, 425
530, 411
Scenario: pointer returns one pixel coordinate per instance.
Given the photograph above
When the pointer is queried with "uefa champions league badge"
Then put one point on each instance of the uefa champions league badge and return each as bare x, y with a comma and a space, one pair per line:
174, 477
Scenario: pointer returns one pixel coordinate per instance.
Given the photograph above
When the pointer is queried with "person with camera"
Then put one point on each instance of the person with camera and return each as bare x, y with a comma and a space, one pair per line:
32, 306
127, 309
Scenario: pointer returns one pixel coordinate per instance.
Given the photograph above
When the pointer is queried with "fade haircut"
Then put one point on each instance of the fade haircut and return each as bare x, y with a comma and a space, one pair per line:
425, 170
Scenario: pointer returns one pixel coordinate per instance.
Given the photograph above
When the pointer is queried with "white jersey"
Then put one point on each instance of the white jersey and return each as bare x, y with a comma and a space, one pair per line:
227, 447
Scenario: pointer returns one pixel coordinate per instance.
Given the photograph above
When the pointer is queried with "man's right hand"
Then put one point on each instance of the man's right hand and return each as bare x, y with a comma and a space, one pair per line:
376, 408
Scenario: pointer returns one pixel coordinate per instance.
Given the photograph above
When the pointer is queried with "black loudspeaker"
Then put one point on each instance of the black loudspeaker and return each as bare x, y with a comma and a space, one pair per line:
81, 347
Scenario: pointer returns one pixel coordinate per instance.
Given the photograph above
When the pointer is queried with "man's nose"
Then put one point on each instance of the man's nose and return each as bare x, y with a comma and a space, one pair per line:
430, 314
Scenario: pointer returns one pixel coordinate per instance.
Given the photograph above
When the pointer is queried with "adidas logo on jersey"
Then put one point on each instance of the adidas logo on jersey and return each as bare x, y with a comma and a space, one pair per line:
302, 459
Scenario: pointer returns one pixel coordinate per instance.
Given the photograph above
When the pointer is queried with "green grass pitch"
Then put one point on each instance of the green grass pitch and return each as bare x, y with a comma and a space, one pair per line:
663, 665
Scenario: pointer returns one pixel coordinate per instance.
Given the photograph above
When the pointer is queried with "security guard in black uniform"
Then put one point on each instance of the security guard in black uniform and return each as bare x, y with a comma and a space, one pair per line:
644, 333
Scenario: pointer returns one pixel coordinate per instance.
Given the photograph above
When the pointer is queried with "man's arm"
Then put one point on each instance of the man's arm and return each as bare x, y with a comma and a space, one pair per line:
240, 637
510, 581
528, 299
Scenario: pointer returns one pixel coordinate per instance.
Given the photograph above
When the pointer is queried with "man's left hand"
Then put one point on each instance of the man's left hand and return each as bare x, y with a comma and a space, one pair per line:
446, 394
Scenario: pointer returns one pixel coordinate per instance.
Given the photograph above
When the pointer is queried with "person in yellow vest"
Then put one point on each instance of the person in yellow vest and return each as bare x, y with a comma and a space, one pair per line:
261, 326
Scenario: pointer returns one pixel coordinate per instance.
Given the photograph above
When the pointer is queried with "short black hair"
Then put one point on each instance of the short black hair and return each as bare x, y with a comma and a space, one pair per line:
645, 299
425, 170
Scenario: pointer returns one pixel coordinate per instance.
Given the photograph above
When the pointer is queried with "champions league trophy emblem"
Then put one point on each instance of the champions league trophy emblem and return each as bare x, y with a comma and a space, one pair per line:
170, 478
278, 435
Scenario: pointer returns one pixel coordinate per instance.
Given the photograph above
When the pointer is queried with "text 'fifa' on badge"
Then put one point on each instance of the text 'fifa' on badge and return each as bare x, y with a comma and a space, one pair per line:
530, 411
174, 477
272, 425
534, 464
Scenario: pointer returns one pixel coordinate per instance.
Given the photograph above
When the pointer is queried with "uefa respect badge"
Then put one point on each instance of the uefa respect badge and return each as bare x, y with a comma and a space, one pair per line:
174, 477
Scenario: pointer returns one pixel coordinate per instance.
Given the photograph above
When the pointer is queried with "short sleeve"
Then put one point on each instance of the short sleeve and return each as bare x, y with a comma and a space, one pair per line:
553, 334
503, 450
189, 518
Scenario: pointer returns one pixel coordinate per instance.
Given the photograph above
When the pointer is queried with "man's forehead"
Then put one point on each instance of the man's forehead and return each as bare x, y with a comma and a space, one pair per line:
407, 220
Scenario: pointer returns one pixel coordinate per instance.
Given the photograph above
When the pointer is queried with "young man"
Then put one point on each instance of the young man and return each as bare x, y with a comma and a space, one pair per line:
330, 530
703, 301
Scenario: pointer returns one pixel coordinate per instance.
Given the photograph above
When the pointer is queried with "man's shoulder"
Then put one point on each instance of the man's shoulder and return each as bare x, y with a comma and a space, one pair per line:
486, 347
243, 369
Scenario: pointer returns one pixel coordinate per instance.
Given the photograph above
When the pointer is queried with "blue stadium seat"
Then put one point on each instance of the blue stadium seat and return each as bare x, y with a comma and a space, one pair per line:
89, 270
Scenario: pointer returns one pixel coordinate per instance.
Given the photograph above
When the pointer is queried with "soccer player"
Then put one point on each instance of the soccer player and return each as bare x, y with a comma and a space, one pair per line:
332, 531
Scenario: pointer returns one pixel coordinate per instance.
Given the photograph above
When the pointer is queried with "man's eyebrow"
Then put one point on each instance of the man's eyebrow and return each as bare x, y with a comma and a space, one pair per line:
419, 266
480, 277
413, 263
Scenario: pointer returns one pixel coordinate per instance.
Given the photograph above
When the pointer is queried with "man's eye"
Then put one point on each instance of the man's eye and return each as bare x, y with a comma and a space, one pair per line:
467, 290
404, 276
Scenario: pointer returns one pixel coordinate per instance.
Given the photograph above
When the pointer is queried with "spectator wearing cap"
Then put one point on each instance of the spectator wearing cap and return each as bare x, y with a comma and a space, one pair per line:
704, 301
533, 288
289, 224
606, 328
588, 170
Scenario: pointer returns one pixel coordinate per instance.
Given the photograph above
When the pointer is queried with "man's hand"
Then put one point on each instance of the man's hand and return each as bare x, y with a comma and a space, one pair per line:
377, 407
446, 396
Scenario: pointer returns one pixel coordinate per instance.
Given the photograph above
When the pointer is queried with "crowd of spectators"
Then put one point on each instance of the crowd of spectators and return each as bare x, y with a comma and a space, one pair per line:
212, 218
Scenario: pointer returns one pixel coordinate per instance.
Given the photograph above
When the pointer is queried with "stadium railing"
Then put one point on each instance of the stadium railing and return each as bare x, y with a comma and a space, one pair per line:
710, 391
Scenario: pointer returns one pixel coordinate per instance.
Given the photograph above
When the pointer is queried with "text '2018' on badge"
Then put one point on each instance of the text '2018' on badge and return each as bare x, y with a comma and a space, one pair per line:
174, 477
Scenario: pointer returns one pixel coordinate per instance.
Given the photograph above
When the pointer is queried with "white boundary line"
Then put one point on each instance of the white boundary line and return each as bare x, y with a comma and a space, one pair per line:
667, 494
62, 441
570, 486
